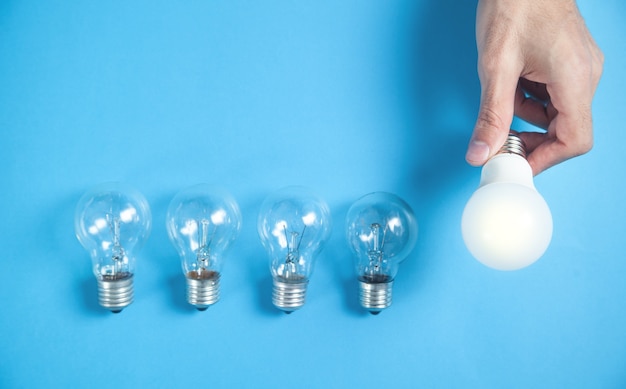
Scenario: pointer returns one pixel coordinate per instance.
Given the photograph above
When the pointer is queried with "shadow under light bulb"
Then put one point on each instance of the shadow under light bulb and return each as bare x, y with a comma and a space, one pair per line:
111, 222
202, 222
381, 231
293, 225
506, 224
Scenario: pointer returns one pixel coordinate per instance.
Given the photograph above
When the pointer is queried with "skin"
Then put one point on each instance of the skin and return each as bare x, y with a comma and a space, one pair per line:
538, 61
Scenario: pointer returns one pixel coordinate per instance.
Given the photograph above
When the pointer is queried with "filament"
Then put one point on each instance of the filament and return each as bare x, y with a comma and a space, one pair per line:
203, 252
117, 249
375, 252
293, 248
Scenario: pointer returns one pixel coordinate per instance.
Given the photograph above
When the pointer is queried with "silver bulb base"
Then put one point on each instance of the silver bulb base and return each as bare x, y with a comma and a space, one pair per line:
513, 145
115, 292
289, 293
203, 290
375, 296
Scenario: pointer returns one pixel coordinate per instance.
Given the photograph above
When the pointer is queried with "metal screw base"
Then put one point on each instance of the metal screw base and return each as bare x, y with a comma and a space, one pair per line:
115, 295
288, 295
203, 292
513, 145
375, 296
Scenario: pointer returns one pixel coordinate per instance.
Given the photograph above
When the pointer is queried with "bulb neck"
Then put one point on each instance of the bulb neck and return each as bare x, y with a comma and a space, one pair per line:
513, 145
375, 296
289, 294
203, 289
116, 293
508, 165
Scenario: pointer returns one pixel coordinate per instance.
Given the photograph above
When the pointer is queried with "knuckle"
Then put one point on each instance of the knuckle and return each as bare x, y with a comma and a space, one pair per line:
597, 66
581, 144
489, 121
495, 61
489, 64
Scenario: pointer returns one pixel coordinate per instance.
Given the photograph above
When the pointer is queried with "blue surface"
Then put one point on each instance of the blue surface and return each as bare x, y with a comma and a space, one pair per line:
346, 97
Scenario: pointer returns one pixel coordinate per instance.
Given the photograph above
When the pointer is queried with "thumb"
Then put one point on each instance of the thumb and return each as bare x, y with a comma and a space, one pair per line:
494, 118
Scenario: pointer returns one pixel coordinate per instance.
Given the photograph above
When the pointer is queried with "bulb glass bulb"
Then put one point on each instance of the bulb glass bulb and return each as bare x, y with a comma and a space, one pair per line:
507, 224
112, 221
202, 222
381, 231
293, 225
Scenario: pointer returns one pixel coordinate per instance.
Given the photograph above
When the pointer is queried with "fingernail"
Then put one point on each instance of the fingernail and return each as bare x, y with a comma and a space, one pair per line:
477, 152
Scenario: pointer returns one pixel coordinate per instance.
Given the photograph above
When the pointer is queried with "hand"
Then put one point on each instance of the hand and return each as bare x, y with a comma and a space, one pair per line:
537, 60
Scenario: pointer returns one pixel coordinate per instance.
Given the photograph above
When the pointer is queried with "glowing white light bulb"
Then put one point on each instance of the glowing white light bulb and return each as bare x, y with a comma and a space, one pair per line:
111, 221
381, 231
293, 225
506, 223
202, 222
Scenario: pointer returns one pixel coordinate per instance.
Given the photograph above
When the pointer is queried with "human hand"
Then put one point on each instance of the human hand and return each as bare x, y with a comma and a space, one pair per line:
537, 60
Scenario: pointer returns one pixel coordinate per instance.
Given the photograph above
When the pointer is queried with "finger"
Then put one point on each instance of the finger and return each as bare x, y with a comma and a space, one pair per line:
495, 114
547, 154
547, 150
572, 127
532, 140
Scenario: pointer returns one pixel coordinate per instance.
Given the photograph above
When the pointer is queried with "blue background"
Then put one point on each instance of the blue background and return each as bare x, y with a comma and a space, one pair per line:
346, 97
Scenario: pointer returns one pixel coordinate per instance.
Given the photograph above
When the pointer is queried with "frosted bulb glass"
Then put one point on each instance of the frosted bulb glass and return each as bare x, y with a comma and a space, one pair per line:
202, 221
112, 221
381, 230
507, 224
293, 225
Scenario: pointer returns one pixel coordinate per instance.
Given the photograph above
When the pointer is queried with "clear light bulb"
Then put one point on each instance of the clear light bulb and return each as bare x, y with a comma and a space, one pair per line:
202, 222
293, 225
506, 223
381, 231
112, 221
